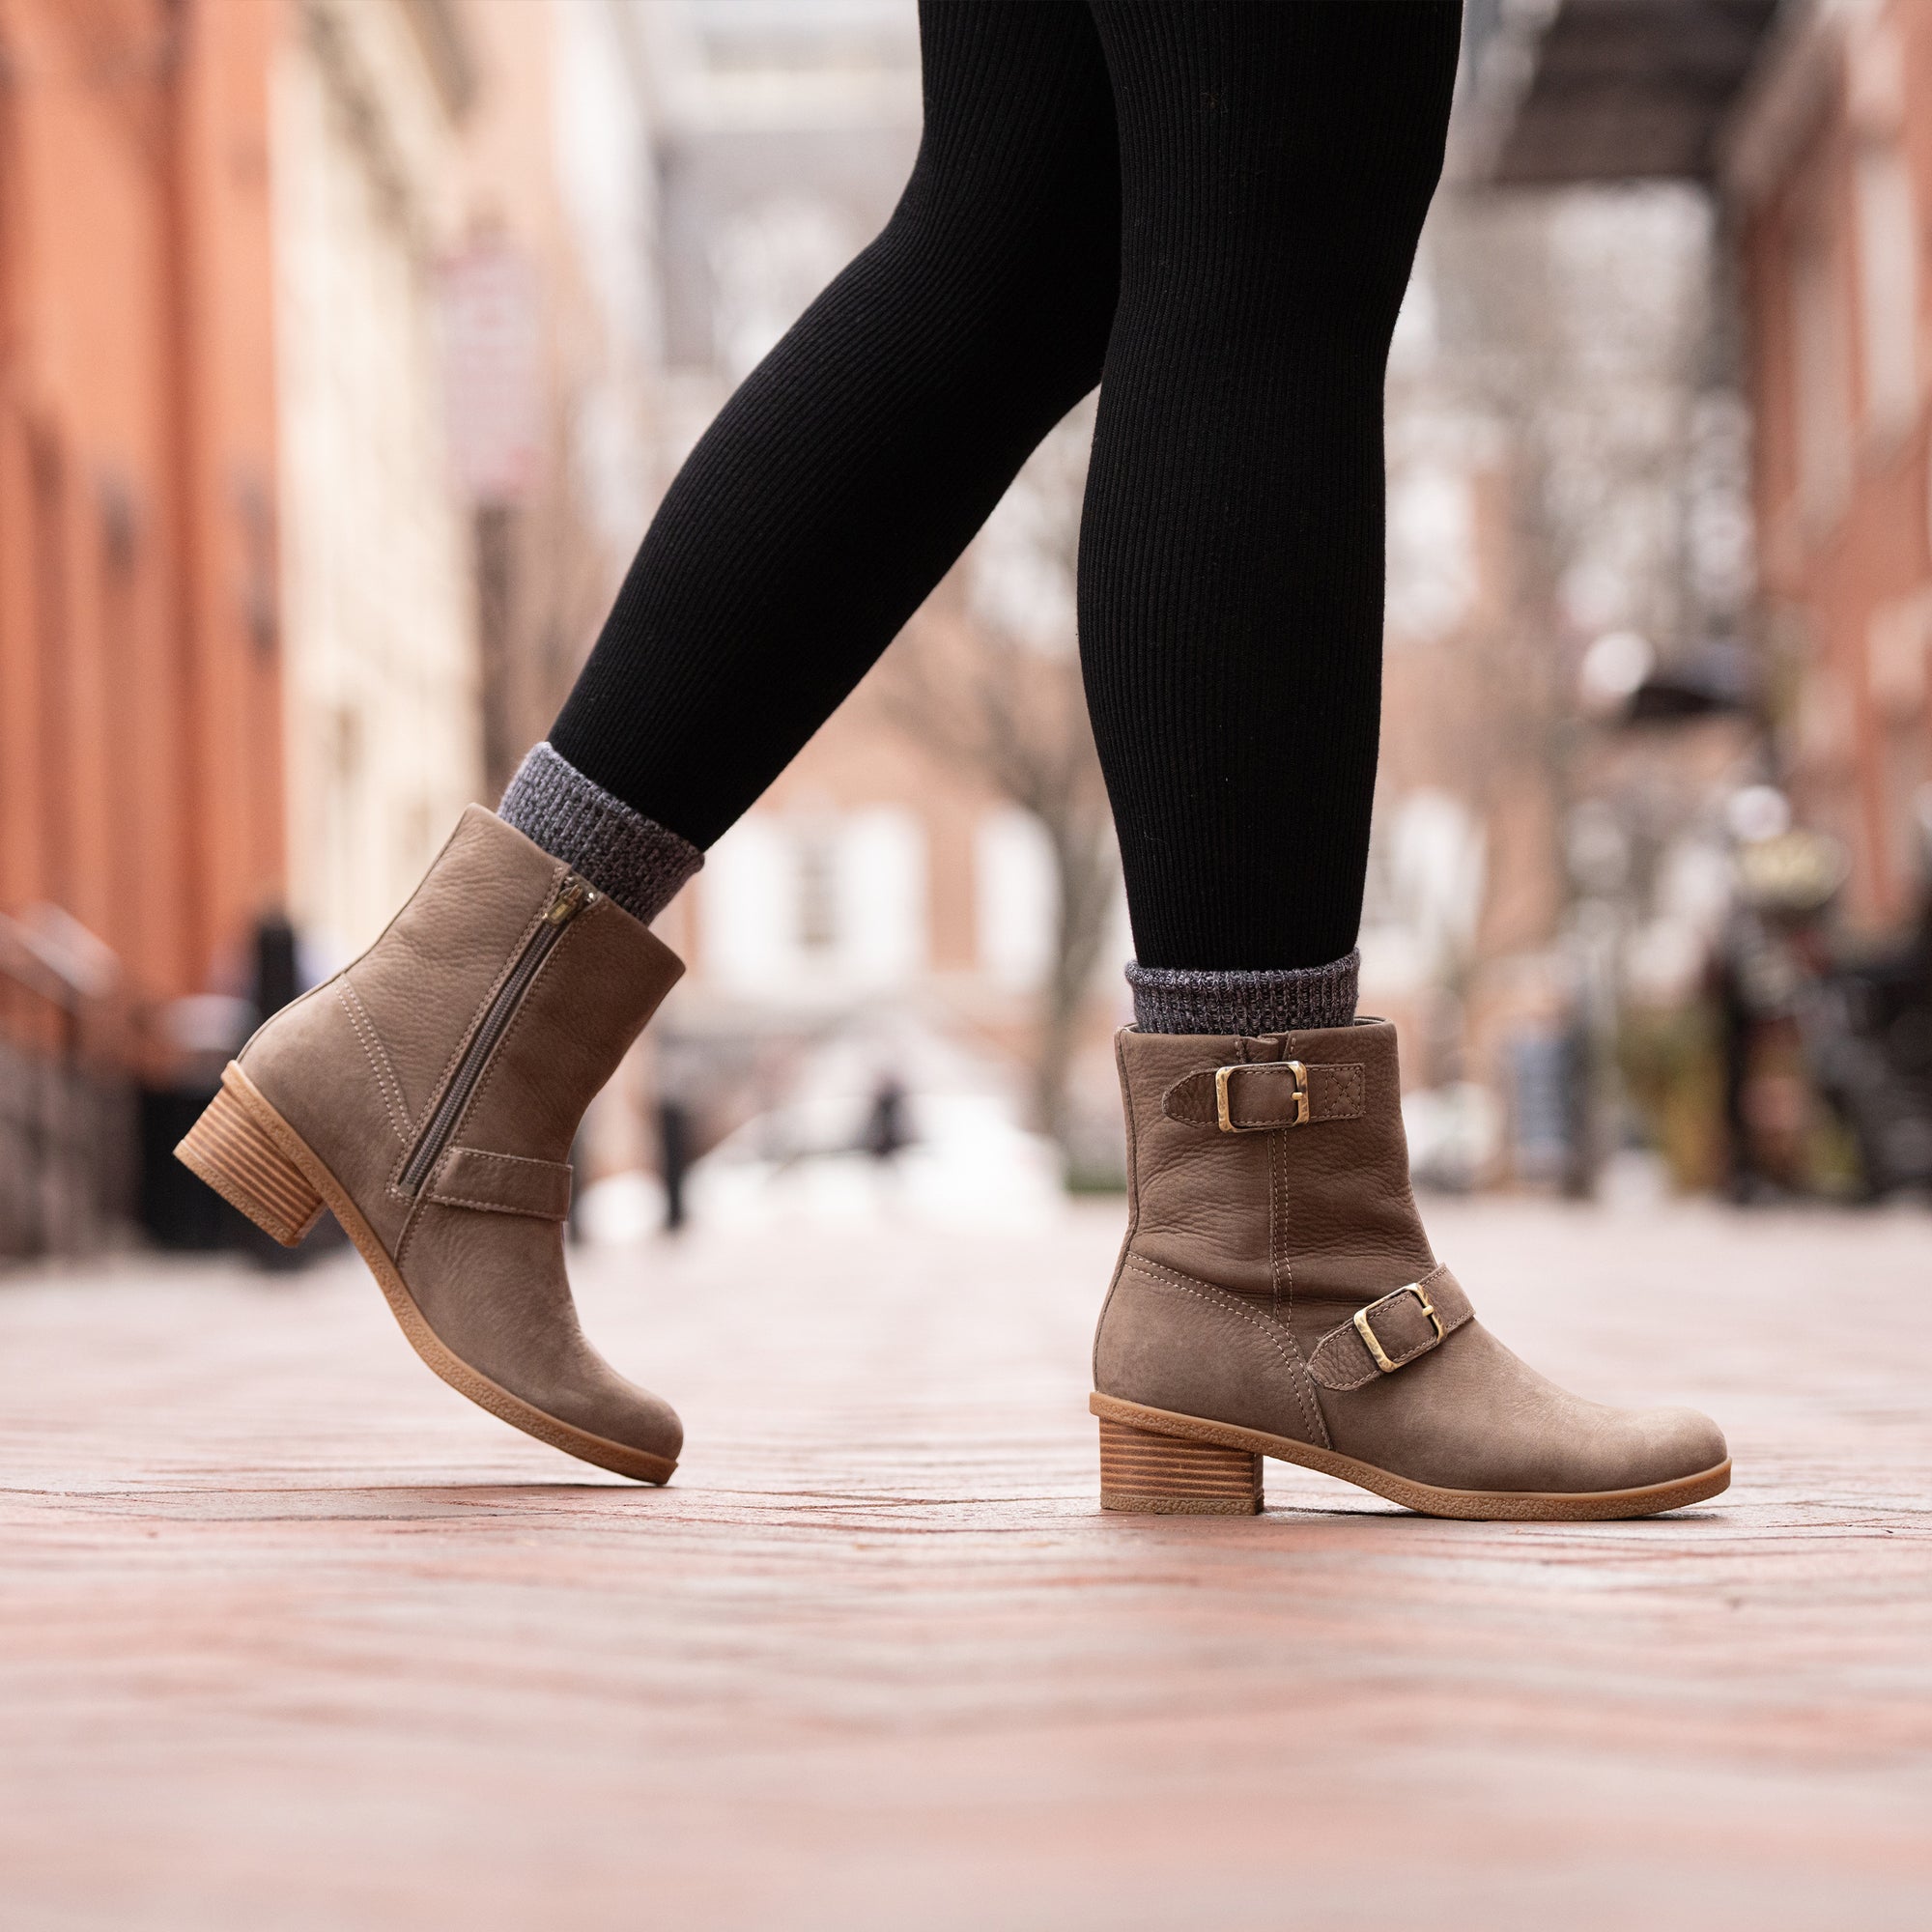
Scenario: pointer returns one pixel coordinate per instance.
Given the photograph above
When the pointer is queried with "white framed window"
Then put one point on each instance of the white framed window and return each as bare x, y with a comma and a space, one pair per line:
816, 905
1888, 241
1014, 890
1822, 402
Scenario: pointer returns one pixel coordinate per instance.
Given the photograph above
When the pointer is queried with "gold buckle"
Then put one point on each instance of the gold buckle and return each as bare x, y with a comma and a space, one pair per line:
1230, 1125
1368, 1334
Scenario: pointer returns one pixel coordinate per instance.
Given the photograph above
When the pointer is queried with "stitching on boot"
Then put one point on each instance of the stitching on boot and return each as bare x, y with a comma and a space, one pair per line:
443, 1166
1278, 1228
496, 1207
1353, 1082
410, 1221
483, 1154
1230, 1304
1284, 1344
1278, 1233
1134, 1209
386, 1083
1274, 1225
1281, 1263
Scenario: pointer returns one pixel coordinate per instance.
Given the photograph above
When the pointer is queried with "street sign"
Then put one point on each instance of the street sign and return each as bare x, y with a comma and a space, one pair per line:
493, 374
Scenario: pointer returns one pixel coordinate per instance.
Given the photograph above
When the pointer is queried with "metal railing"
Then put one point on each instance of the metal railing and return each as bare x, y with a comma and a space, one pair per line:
66, 1105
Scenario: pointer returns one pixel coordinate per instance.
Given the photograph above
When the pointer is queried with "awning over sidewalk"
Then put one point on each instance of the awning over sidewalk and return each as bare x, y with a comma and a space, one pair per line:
1569, 91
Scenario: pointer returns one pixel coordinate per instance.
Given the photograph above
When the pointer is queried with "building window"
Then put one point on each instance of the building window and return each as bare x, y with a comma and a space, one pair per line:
47, 539
1432, 549
817, 907
1013, 899
1821, 405
817, 881
1887, 244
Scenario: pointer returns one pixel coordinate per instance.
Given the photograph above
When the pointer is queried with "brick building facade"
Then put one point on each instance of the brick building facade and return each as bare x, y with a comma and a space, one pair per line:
141, 827
1827, 172
140, 743
1810, 123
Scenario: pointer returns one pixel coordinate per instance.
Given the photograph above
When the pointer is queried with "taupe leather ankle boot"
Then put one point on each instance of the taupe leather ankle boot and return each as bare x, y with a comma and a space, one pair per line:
1276, 1295
427, 1094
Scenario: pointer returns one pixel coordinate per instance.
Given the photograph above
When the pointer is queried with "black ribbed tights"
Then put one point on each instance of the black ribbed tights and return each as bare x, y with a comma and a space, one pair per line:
1211, 207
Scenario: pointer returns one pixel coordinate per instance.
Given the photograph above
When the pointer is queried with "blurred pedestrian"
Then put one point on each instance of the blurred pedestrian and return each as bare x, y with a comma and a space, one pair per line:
1210, 208
886, 1134
675, 1138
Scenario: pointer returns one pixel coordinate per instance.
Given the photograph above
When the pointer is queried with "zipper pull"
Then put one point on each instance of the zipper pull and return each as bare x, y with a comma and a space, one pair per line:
572, 897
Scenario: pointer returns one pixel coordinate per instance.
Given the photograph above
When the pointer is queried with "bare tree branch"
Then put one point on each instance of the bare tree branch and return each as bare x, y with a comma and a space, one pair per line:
1010, 711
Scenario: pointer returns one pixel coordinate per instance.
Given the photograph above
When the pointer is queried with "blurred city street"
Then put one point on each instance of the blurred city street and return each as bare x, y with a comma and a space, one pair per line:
347, 348
291, 1636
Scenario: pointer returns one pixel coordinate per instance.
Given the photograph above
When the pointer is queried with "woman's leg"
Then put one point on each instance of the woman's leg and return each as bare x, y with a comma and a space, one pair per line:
857, 461
1277, 1293
431, 1092
1276, 162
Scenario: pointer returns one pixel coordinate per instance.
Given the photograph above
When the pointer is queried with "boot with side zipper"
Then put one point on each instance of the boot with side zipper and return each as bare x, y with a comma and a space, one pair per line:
1276, 1295
429, 1095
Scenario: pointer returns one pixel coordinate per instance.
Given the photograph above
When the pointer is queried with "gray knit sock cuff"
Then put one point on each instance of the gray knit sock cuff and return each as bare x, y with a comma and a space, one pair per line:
1251, 1004
620, 851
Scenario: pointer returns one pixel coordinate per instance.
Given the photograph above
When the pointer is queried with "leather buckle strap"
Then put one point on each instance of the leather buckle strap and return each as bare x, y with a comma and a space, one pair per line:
1297, 1100
1368, 1334
1390, 1333
1264, 1096
501, 1184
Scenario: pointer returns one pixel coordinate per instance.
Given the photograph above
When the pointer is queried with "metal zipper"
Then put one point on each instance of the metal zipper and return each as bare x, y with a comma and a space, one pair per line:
573, 894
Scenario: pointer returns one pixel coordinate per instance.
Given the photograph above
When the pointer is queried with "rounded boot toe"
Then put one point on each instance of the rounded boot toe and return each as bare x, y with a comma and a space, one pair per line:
1643, 1447
653, 1426
602, 1402
1680, 1442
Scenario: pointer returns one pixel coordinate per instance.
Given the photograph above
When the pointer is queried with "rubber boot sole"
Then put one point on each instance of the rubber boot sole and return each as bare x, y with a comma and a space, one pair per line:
258, 1163
1154, 1461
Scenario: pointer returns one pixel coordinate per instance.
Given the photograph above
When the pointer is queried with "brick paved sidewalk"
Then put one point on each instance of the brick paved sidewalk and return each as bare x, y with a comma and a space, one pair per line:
290, 1637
